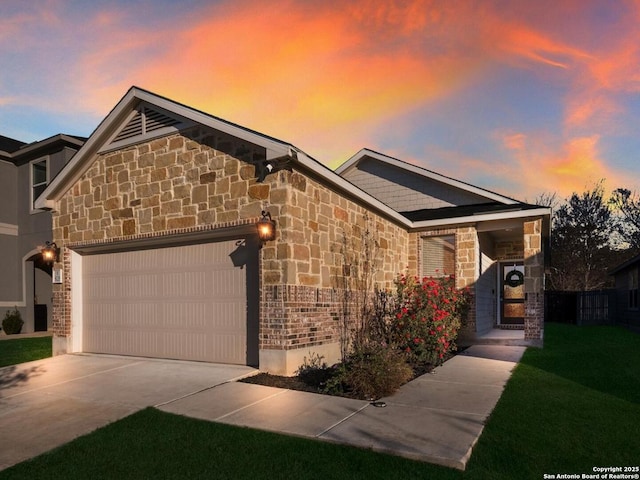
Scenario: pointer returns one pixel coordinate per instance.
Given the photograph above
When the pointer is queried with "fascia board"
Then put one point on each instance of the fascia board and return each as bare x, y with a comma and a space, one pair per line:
444, 222
333, 178
351, 162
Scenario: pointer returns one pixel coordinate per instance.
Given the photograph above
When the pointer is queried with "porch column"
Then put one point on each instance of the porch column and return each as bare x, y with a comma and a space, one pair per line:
533, 283
467, 271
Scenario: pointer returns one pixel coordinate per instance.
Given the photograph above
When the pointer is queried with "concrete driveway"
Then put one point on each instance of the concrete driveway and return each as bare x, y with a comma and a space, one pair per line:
47, 403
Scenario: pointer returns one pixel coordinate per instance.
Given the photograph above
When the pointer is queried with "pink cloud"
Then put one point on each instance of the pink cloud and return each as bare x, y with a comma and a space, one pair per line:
565, 168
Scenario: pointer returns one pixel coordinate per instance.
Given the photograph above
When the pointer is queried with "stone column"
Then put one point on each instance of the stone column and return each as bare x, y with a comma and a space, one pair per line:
533, 283
467, 270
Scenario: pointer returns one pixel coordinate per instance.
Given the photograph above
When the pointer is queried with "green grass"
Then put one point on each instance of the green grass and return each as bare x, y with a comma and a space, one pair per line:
567, 408
20, 350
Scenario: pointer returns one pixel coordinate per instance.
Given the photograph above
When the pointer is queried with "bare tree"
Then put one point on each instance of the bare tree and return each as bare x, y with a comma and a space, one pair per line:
627, 204
360, 260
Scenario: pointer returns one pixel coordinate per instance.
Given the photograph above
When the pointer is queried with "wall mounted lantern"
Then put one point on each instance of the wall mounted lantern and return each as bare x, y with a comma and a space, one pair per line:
50, 252
266, 227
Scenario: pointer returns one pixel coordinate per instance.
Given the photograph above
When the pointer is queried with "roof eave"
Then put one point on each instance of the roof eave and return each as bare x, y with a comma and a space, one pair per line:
485, 217
43, 144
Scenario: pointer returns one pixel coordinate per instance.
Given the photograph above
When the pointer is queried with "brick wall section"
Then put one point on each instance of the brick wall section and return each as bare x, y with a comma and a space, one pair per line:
533, 286
201, 180
318, 231
61, 317
297, 316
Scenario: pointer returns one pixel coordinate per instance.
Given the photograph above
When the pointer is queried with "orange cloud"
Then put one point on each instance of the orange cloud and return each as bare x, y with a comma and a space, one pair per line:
570, 168
597, 97
523, 42
286, 69
333, 77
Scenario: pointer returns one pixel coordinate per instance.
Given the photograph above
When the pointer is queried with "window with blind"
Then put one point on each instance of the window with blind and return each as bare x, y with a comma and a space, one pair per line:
439, 256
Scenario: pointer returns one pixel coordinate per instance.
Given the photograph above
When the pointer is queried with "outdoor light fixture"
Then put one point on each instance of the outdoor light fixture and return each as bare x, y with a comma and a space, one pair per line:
50, 252
266, 227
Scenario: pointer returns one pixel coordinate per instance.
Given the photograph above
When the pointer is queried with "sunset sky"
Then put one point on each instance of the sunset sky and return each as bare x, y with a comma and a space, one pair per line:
516, 96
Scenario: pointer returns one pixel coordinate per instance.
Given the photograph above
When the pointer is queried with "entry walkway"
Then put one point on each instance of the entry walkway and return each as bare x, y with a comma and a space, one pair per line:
436, 418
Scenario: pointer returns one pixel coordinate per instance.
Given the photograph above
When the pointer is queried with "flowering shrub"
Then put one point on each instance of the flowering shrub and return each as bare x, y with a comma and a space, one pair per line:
428, 317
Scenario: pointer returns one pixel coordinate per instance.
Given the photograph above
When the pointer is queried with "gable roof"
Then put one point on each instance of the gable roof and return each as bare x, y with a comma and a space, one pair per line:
123, 118
143, 115
366, 154
109, 135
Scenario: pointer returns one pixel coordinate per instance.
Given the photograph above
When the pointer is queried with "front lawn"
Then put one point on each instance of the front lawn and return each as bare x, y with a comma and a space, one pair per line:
569, 407
20, 350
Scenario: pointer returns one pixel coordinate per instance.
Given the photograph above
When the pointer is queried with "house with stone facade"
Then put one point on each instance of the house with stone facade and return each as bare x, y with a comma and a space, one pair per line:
25, 171
156, 216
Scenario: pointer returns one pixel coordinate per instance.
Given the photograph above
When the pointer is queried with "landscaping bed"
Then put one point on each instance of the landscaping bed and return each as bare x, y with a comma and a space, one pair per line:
317, 384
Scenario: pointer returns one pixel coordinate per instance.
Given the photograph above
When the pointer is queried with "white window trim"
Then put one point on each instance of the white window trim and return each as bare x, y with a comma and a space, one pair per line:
32, 200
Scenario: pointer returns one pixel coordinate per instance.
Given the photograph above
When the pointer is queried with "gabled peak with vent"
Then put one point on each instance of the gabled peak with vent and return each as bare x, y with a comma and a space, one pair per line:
145, 122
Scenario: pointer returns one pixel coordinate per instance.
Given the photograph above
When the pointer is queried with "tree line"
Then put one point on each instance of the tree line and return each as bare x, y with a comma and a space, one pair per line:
591, 234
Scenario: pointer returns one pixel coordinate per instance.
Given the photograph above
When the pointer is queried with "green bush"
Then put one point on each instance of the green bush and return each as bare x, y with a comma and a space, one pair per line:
12, 322
371, 371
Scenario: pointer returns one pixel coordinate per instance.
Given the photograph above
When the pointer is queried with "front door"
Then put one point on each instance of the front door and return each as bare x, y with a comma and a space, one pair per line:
512, 293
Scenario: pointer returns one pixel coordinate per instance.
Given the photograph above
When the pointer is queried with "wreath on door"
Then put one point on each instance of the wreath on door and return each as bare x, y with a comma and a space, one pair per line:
514, 278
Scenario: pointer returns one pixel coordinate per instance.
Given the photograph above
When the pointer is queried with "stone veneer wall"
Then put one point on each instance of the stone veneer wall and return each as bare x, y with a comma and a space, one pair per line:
196, 180
510, 250
467, 251
533, 282
203, 180
318, 232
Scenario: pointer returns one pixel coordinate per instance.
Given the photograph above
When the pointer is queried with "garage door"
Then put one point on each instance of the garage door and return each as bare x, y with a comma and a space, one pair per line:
187, 302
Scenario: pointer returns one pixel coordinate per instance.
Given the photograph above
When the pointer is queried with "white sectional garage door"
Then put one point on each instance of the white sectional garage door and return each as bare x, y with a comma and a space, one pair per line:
187, 302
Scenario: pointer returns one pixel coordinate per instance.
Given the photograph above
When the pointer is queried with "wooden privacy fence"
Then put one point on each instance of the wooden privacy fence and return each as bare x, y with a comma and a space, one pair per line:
595, 307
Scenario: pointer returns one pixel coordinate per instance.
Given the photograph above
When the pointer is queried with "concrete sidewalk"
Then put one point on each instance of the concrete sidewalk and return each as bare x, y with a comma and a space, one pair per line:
436, 418
49, 402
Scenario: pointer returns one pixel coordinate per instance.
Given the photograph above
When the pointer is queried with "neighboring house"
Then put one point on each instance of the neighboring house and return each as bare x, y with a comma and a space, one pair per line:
626, 287
25, 171
156, 219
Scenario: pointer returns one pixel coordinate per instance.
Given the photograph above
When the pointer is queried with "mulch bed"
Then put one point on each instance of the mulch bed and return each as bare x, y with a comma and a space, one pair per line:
296, 383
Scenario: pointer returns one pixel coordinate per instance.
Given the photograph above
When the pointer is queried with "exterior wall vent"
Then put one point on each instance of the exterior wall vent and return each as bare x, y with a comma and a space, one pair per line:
145, 120
144, 123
